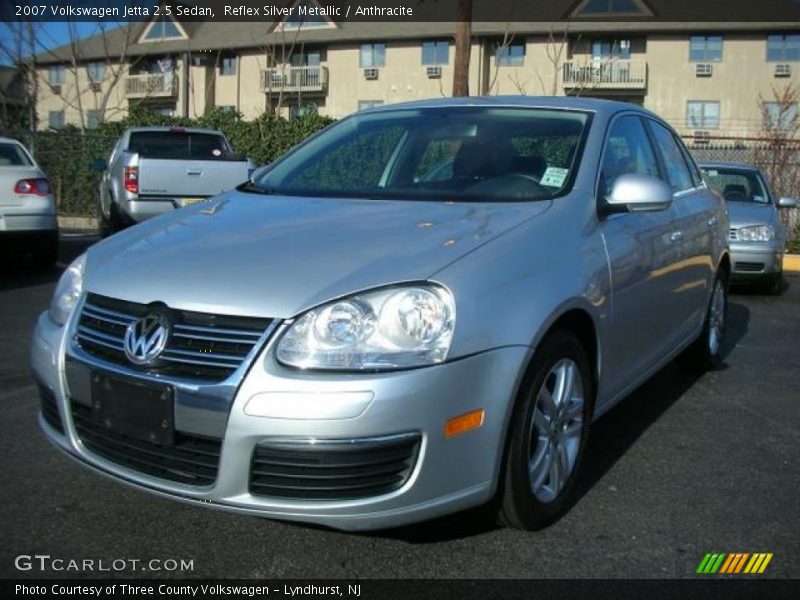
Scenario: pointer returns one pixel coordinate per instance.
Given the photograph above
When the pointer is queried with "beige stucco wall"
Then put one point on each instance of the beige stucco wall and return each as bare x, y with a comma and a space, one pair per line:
736, 83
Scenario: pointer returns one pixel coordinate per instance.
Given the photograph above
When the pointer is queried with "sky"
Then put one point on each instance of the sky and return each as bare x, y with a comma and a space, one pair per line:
50, 35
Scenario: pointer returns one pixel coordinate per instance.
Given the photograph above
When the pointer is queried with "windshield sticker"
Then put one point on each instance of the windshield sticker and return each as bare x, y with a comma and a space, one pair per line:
711, 173
554, 177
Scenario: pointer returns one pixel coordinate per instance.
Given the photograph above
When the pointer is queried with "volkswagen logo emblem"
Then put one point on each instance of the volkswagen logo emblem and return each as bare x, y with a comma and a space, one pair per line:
146, 338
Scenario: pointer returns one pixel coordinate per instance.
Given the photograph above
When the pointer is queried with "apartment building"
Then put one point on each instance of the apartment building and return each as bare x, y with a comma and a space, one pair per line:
706, 78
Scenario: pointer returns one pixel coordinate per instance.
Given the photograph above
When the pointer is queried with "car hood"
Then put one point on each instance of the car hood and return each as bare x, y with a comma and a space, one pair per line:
741, 214
274, 256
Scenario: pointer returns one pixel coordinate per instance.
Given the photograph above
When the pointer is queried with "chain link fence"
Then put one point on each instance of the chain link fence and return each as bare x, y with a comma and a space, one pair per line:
780, 164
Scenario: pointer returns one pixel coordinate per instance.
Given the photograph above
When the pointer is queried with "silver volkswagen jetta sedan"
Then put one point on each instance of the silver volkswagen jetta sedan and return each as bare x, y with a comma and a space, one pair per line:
420, 309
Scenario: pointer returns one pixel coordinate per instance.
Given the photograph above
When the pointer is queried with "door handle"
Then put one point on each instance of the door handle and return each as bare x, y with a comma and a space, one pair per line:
676, 236
194, 172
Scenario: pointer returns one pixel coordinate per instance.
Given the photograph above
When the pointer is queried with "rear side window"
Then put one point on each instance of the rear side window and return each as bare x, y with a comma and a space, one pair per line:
179, 144
628, 150
678, 175
12, 155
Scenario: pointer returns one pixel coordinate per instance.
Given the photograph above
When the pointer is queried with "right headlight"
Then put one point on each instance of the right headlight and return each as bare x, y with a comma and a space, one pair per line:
68, 291
391, 328
755, 233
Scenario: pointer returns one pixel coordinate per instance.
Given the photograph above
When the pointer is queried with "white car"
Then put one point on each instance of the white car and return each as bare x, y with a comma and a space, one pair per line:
27, 205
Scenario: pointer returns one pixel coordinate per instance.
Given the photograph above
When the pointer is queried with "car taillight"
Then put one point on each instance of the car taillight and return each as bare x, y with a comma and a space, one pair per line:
40, 187
132, 179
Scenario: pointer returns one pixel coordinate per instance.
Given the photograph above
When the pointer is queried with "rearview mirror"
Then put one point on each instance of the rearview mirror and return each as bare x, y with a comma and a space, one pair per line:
787, 203
99, 165
637, 193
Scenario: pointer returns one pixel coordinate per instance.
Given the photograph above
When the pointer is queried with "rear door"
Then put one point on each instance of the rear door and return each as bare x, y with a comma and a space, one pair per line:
645, 263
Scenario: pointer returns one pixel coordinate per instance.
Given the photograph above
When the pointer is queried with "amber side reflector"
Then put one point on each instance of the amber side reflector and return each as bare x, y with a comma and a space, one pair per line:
464, 423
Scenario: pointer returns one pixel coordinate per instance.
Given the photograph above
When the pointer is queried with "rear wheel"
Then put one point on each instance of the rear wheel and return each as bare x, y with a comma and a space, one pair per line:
548, 434
705, 353
112, 223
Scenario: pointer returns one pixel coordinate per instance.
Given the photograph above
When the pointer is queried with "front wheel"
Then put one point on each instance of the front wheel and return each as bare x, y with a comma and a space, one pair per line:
705, 353
548, 434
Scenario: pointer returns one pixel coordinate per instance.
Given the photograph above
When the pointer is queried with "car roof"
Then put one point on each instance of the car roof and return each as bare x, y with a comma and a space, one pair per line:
727, 165
596, 105
7, 140
174, 128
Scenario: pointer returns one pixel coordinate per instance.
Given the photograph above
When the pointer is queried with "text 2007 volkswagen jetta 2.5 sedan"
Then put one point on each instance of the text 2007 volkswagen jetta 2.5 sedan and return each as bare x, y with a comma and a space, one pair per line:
419, 310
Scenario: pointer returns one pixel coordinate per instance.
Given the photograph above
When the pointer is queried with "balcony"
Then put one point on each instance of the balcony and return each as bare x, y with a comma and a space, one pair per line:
159, 85
605, 75
294, 79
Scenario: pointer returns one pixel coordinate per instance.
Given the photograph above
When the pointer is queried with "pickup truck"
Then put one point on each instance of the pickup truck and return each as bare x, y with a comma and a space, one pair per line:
154, 170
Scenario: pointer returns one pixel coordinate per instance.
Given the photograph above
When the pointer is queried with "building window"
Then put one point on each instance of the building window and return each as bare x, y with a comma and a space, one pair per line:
227, 108
372, 55
701, 114
783, 47
163, 28
780, 117
96, 71
306, 59
435, 53
512, 55
227, 65
365, 104
56, 75
55, 119
305, 14
603, 8
92, 118
611, 49
705, 48
302, 110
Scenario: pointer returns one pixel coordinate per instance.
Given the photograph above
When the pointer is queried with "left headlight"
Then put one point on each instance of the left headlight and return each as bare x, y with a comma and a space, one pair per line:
68, 291
392, 328
756, 233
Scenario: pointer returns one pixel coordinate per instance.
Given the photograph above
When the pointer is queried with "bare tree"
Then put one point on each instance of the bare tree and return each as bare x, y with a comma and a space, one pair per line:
18, 51
779, 156
463, 48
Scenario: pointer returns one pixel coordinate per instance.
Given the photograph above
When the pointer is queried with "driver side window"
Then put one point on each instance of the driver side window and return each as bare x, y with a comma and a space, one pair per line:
628, 150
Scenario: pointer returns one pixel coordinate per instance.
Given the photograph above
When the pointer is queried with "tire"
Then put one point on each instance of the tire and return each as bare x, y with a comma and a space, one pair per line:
705, 353
113, 223
531, 494
45, 252
774, 284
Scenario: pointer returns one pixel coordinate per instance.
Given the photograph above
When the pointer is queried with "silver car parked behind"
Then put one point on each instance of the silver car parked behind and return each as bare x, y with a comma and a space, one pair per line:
757, 236
420, 309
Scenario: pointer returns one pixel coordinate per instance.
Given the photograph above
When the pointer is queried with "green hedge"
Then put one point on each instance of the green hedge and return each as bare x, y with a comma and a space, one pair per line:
66, 156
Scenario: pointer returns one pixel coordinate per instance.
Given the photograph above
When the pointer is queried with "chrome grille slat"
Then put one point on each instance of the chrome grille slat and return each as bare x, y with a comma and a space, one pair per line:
251, 334
194, 351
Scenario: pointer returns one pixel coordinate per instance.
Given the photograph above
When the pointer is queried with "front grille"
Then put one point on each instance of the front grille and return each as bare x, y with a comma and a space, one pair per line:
191, 460
50, 409
201, 346
333, 470
749, 267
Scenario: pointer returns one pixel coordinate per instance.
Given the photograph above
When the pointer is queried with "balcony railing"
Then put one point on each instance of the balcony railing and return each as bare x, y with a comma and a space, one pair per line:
609, 75
158, 85
294, 79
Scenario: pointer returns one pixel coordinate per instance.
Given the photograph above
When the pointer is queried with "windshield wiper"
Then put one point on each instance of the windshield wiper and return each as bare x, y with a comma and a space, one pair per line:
252, 188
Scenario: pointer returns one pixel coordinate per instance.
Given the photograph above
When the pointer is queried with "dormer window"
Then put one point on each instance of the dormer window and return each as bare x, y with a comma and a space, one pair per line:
163, 28
612, 8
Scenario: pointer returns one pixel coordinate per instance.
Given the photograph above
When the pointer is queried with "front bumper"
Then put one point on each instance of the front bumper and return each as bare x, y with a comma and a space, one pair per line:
756, 259
449, 474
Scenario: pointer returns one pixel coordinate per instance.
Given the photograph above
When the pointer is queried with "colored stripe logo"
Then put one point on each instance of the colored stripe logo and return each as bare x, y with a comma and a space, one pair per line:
734, 563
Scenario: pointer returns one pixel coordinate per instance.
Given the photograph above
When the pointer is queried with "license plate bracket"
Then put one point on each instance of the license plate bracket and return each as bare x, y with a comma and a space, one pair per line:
139, 410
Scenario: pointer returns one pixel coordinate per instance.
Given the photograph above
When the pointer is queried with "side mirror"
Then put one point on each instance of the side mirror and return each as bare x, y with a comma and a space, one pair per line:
638, 193
787, 203
99, 165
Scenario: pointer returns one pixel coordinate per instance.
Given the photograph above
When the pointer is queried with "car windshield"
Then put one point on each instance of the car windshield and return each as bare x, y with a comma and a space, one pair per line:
464, 153
737, 185
12, 155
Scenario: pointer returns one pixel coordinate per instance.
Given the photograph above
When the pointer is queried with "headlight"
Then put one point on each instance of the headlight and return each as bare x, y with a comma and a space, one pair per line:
755, 233
393, 328
68, 291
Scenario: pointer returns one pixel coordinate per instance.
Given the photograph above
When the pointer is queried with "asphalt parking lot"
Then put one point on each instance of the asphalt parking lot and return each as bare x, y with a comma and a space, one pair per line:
682, 467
